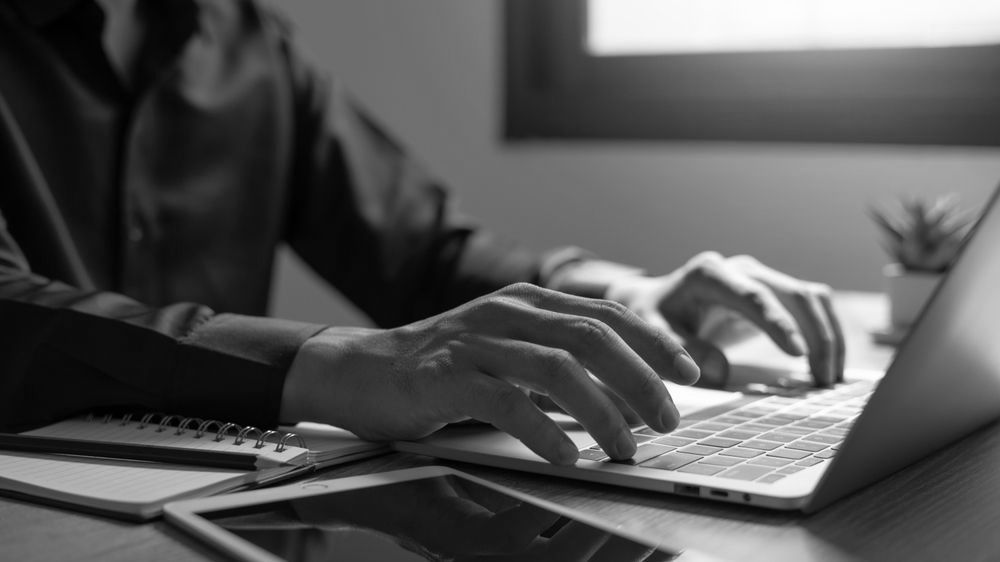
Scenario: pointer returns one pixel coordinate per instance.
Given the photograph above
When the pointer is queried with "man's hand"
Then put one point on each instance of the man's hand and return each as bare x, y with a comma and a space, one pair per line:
797, 315
477, 361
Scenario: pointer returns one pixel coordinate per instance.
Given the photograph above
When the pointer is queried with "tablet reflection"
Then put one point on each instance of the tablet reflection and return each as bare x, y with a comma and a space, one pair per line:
442, 518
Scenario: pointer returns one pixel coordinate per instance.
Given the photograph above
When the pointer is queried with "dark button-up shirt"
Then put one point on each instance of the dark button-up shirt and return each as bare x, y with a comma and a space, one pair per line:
139, 218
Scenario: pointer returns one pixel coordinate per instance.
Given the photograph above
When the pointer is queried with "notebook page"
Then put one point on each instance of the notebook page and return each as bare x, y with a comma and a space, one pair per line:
328, 443
114, 431
123, 486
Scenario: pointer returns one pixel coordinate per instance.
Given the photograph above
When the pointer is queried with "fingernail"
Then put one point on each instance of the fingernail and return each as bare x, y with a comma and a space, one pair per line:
625, 448
568, 453
687, 368
799, 344
669, 417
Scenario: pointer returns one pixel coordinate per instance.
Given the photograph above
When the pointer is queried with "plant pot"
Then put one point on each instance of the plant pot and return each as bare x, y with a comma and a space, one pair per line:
908, 291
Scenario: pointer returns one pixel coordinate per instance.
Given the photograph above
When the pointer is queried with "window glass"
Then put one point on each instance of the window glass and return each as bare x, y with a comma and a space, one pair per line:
637, 27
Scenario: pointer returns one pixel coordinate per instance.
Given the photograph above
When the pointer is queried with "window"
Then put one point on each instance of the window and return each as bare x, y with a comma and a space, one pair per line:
876, 71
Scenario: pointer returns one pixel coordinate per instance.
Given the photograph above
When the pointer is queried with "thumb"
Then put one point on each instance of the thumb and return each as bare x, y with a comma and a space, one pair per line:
713, 363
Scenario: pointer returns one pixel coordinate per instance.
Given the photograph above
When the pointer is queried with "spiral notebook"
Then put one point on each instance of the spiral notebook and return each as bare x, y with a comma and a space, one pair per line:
138, 489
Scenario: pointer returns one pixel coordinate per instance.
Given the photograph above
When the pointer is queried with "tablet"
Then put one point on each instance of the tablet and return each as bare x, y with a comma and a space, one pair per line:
430, 513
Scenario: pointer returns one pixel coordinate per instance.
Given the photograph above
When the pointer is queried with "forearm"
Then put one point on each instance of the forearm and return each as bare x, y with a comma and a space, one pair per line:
66, 351
580, 273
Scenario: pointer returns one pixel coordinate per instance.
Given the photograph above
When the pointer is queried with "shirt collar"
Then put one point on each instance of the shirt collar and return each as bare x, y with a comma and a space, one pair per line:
43, 12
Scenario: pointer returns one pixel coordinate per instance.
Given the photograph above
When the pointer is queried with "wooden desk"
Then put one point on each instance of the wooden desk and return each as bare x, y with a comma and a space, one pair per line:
946, 507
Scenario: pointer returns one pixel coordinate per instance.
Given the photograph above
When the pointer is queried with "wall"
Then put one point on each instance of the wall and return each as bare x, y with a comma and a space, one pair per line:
431, 71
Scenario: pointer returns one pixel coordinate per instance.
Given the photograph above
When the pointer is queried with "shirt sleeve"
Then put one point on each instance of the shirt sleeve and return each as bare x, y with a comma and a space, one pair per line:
370, 220
66, 351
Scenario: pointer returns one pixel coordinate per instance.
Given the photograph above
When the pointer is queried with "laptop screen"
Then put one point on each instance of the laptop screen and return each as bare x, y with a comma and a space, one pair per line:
945, 380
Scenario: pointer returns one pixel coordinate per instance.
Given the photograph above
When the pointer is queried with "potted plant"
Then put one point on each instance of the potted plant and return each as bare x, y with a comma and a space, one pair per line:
922, 236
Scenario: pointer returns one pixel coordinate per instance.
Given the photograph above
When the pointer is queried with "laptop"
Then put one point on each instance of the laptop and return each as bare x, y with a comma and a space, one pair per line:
804, 452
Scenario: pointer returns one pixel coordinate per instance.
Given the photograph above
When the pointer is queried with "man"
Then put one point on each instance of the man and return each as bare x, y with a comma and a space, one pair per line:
153, 154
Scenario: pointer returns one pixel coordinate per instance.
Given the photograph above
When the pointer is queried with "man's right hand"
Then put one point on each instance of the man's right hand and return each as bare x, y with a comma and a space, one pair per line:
478, 360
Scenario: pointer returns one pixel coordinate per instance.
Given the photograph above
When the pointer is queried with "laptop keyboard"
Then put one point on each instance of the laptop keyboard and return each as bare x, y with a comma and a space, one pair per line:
762, 441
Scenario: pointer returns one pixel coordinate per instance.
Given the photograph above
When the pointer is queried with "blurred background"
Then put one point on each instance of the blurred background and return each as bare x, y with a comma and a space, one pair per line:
432, 72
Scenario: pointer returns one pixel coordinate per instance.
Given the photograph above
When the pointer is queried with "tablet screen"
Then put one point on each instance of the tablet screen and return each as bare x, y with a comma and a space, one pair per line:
439, 518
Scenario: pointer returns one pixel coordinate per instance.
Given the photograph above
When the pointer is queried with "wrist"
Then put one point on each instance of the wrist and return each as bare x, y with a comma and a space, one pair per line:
314, 387
592, 278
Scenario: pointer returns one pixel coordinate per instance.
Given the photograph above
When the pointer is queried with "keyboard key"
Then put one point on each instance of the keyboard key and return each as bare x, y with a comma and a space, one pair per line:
722, 461
805, 411
769, 461
671, 461
780, 437
828, 454
758, 412
746, 472
813, 423
790, 417
673, 441
810, 446
647, 431
741, 452
771, 478
789, 454
729, 420
828, 439
790, 469
692, 433
809, 462
755, 427
797, 430
845, 413
698, 468
720, 442
592, 455
711, 426
738, 434
641, 438
646, 452
700, 450
762, 445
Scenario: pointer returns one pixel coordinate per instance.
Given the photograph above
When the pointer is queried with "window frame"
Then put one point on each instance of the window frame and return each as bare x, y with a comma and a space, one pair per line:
925, 96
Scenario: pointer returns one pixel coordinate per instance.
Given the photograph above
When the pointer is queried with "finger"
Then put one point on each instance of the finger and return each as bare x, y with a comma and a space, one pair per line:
819, 322
596, 345
631, 417
727, 285
813, 319
664, 354
496, 402
839, 342
713, 363
659, 322
710, 359
556, 373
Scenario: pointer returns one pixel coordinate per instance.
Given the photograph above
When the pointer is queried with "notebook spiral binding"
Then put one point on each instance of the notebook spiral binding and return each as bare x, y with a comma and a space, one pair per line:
200, 428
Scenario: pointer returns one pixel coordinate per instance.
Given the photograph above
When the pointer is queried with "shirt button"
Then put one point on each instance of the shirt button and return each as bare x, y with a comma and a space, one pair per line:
136, 234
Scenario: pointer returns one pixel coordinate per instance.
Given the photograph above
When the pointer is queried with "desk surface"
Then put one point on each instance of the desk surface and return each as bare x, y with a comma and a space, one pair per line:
944, 507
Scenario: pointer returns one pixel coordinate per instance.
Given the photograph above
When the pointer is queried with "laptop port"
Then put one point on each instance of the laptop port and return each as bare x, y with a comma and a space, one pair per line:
687, 490
719, 493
